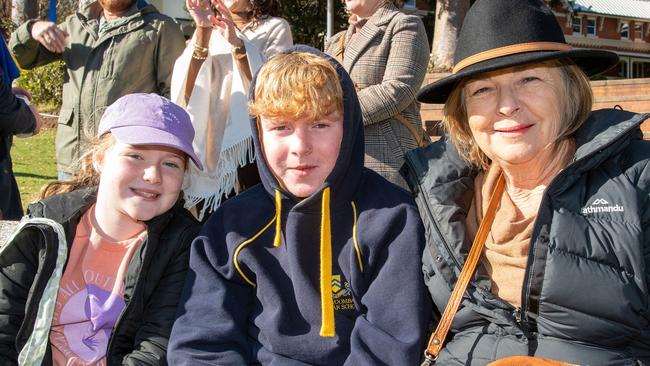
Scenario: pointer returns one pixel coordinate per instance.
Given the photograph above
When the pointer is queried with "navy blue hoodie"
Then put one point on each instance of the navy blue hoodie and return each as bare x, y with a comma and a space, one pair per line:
331, 279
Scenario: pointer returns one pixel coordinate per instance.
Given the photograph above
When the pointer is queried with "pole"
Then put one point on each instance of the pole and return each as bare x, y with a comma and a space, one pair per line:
330, 18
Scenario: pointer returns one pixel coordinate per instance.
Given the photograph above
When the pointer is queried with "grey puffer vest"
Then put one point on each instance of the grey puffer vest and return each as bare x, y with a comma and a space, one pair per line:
585, 298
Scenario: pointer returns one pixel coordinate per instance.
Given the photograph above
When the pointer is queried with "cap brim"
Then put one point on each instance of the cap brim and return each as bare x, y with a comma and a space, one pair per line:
142, 135
591, 61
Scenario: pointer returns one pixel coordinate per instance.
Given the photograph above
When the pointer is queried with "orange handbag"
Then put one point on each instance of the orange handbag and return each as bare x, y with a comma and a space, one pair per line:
527, 361
438, 337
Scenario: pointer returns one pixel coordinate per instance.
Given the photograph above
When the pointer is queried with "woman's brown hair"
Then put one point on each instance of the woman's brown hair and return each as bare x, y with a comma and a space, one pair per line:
262, 8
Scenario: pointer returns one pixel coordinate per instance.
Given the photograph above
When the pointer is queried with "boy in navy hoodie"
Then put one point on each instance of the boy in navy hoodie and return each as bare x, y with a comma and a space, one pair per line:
320, 264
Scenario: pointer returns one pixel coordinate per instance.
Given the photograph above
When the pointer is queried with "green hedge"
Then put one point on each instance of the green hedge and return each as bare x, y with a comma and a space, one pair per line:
46, 85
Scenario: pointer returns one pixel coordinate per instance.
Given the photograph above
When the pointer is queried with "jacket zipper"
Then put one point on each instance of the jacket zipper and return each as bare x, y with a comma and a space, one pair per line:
433, 220
118, 323
525, 290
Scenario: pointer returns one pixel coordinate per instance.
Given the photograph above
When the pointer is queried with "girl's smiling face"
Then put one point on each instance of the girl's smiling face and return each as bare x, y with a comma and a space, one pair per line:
140, 182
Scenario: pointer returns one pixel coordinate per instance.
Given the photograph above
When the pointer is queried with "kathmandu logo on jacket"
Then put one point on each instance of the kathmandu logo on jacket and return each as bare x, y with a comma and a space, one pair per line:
601, 205
341, 293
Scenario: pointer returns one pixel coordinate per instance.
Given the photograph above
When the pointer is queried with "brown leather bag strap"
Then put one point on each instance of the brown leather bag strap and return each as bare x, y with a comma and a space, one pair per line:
422, 139
438, 337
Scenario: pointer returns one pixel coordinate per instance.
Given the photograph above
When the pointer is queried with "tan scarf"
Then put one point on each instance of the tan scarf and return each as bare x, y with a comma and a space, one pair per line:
506, 247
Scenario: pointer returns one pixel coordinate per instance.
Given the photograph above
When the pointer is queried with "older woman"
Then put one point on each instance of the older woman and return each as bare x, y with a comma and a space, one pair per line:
565, 268
386, 53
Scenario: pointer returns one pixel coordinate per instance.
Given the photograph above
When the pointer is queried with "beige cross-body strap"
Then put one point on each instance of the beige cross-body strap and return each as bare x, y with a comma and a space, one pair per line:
438, 337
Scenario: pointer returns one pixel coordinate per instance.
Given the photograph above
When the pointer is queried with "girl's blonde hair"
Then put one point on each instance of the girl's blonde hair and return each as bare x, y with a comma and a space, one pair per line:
576, 100
297, 85
85, 173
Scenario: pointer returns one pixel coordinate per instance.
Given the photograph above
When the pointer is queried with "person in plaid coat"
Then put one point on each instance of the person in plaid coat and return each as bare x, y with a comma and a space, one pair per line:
386, 53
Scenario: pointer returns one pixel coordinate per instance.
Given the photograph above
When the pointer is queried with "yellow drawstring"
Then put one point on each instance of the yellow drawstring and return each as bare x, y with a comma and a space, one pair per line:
354, 236
327, 303
277, 241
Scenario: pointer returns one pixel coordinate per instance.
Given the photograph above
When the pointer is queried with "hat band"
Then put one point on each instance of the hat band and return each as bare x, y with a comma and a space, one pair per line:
510, 50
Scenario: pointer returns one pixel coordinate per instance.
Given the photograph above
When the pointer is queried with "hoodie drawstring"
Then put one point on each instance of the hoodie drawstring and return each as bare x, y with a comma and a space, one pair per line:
277, 241
327, 303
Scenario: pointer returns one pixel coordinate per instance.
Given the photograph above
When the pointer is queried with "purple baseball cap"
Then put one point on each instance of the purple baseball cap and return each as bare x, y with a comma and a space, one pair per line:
149, 119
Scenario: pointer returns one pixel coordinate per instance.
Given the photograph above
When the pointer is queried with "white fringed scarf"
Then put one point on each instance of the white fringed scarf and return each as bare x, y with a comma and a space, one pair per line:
219, 112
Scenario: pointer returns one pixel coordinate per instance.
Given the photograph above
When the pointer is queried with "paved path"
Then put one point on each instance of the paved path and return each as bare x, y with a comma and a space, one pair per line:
6, 228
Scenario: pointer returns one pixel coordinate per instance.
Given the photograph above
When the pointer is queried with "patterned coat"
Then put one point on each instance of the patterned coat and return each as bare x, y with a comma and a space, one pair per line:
387, 61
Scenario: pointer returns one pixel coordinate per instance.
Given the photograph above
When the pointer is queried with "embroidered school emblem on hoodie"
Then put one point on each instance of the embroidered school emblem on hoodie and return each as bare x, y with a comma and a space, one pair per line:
341, 293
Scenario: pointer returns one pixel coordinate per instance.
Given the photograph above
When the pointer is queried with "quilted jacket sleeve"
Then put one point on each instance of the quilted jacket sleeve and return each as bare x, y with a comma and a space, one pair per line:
19, 262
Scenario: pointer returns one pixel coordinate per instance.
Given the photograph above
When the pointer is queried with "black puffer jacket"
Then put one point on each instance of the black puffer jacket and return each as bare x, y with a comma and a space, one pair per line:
153, 281
585, 298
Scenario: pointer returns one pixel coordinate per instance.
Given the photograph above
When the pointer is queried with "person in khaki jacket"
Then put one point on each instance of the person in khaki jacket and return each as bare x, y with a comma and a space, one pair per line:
110, 48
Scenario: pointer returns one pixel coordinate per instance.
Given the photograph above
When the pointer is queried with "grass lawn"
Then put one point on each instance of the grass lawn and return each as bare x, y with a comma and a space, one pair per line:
34, 163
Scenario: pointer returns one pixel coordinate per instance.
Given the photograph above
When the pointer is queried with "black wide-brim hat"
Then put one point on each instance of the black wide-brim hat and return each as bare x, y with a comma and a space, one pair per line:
502, 33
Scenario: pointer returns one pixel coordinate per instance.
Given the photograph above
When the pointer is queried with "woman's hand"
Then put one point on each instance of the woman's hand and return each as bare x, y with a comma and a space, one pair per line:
200, 11
223, 22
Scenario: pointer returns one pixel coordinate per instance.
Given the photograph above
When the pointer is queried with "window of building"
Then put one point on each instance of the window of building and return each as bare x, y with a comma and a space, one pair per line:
577, 25
640, 69
625, 30
638, 31
591, 26
623, 67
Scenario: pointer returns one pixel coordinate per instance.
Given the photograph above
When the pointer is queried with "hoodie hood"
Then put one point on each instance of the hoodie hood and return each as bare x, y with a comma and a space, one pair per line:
344, 179
336, 192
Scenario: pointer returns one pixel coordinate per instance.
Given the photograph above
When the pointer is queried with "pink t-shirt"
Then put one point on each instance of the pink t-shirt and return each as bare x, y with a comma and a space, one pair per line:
90, 296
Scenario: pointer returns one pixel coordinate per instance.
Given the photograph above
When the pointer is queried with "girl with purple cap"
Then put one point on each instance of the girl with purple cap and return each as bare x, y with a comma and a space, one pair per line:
95, 270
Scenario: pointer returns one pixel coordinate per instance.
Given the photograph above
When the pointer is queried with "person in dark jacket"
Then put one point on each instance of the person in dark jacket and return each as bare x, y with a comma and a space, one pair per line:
317, 265
94, 275
565, 271
16, 117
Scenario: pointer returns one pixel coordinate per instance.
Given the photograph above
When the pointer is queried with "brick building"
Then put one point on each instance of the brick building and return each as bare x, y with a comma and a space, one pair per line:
622, 26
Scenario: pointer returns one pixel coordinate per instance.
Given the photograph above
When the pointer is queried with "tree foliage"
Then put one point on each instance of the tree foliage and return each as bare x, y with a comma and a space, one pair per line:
308, 19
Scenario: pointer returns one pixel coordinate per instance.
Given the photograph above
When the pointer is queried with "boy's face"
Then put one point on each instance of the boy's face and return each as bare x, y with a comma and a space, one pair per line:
303, 152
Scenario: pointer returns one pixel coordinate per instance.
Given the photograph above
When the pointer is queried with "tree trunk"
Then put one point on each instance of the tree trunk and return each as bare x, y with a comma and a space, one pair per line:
24, 10
449, 19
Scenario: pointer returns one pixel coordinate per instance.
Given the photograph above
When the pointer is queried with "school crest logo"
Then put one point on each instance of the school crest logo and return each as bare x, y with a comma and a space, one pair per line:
341, 293
340, 287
